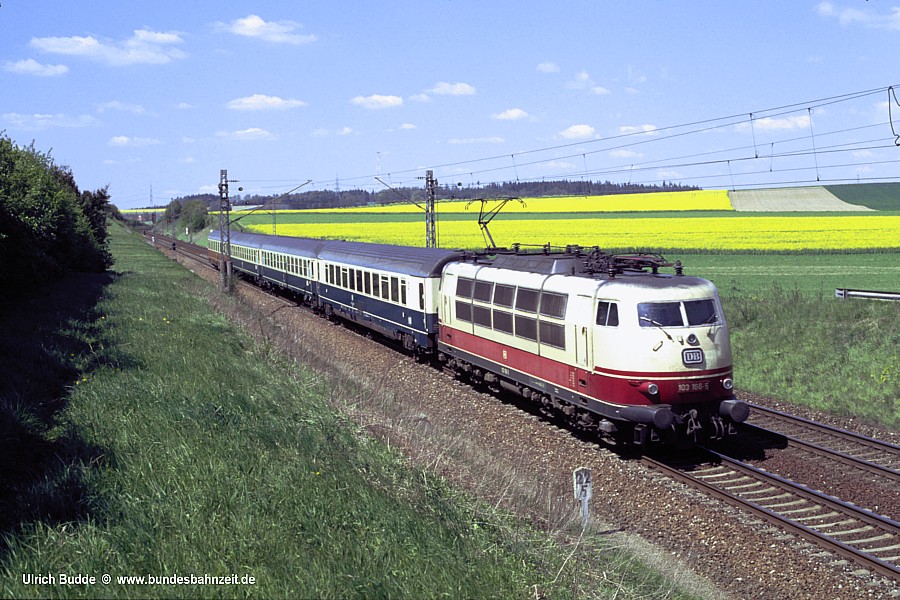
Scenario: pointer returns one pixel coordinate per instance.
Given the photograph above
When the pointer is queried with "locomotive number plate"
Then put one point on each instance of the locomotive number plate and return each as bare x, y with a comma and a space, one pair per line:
692, 356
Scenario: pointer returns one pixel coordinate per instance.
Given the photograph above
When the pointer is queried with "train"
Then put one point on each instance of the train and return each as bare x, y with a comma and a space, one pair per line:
609, 340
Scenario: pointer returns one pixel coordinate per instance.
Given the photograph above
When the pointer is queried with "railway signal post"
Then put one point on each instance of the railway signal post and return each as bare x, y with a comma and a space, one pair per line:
225, 228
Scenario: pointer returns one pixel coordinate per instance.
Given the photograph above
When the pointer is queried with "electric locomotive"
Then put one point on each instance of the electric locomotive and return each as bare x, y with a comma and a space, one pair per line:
629, 351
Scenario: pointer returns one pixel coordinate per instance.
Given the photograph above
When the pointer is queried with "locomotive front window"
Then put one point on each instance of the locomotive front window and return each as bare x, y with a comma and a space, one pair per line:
669, 314
660, 314
700, 312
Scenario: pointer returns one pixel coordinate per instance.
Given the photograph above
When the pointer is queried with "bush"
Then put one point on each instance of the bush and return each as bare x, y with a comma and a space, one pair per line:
47, 226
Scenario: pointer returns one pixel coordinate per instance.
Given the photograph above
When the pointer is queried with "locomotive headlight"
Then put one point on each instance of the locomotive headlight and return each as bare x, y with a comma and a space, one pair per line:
727, 383
653, 389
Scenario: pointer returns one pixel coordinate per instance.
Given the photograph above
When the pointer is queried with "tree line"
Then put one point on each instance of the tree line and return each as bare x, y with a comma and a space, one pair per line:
358, 197
47, 225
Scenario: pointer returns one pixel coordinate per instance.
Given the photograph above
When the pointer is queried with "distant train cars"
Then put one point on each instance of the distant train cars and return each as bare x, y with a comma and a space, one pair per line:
606, 339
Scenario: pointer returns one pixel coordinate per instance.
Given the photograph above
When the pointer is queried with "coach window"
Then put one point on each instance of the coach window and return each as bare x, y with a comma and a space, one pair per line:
367, 279
353, 279
464, 287
527, 300
483, 291
607, 314
553, 305
481, 315
503, 321
359, 281
422, 296
526, 327
395, 289
553, 334
463, 311
344, 283
385, 287
403, 292
504, 295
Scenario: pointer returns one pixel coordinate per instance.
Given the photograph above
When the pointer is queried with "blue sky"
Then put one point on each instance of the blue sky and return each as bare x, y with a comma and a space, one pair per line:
162, 95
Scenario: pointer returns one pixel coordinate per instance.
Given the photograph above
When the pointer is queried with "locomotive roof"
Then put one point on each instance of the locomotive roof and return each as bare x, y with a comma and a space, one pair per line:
419, 262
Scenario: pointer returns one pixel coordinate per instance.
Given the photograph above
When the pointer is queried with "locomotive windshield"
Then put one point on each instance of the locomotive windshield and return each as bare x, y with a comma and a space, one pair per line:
677, 314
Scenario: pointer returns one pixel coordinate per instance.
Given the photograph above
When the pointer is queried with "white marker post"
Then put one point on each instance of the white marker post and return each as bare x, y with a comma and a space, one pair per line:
581, 478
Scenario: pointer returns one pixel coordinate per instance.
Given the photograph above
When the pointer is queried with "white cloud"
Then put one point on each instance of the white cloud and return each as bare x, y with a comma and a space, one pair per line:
278, 32
561, 165
867, 18
407, 126
345, 131
39, 122
420, 98
548, 67
776, 124
143, 47
511, 114
583, 81
479, 140
135, 109
452, 89
578, 132
262, 102
249, 134
124, 140
32, 67
625, 154
184, 106
376, 101
629, 129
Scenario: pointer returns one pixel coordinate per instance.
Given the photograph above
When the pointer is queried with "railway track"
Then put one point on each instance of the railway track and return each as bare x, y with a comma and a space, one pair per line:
874, 456
870, 540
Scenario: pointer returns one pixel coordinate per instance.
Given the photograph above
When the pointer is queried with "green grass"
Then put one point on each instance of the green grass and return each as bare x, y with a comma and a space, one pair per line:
173, 444
878, 196
839, 356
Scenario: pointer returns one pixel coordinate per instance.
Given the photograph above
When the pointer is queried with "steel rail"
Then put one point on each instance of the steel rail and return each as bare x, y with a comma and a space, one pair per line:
869, 519
884, 465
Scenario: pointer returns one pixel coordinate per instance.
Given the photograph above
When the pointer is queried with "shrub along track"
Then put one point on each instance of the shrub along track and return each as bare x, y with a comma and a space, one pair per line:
522, 464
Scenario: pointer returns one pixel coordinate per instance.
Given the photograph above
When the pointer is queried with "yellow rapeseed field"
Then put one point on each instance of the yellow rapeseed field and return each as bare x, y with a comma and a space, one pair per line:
655, 201
700, 233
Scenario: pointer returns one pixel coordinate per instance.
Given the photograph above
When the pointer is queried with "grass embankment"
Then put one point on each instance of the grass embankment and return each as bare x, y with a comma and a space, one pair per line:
832, 355
147, 436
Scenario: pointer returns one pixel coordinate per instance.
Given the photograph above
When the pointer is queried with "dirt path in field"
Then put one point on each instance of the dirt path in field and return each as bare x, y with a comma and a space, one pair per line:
814, 198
